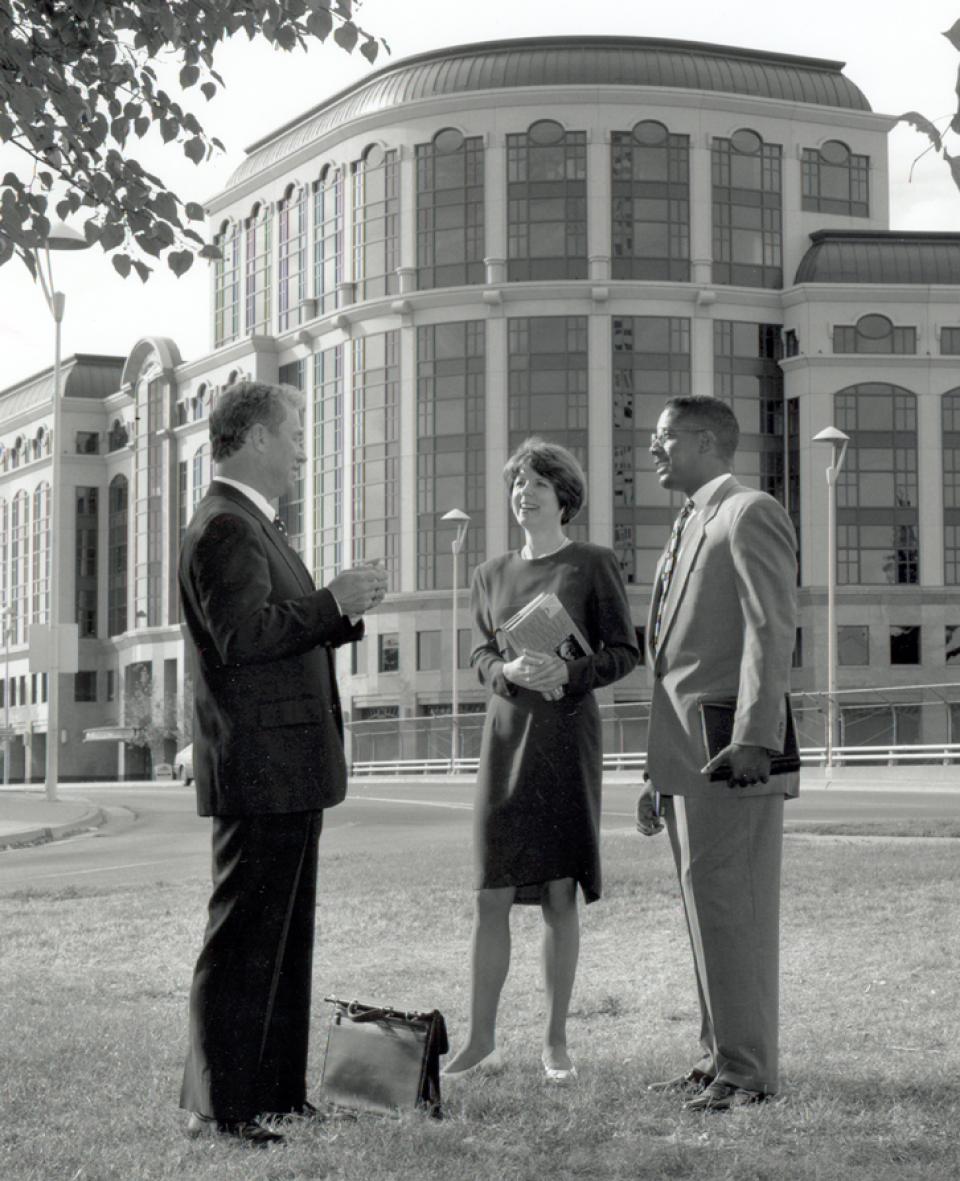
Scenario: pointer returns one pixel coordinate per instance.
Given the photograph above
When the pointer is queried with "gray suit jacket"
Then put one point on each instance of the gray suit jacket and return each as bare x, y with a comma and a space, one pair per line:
728, 631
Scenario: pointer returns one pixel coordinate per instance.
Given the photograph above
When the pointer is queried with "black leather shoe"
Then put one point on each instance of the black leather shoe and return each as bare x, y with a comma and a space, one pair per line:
248, 1131
306, 1111
724, 1097
692, 1082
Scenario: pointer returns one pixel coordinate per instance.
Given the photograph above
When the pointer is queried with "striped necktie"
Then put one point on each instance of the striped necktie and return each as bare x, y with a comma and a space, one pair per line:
666, 574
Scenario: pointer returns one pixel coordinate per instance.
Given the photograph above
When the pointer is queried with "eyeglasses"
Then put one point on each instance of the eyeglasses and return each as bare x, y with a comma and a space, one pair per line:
661, 438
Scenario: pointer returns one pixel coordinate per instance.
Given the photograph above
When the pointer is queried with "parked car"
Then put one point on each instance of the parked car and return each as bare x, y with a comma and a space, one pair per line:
183, 767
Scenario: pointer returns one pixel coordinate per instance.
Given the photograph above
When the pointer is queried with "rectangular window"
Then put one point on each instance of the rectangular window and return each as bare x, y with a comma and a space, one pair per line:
650, 363
376, 451
428, 651
747, 211
226, 286
905, 645
258, 286
835, 180
85, 686
547, 203
464, 647
451, 452
650, 193
88, 443
354, 659
950, 341
376, 223
388, 660
951, 645
450, 211
290, 505
111, 685
328, 426
86, 533
291, 258
797, 659
328, 239
951, 487
853, 645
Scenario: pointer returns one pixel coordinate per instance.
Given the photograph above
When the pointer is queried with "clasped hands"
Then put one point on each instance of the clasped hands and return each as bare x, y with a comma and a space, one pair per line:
543, 671
359, 589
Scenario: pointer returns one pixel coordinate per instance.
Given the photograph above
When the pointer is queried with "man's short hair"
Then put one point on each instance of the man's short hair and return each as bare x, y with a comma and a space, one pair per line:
558, 465
243, 404
713, 415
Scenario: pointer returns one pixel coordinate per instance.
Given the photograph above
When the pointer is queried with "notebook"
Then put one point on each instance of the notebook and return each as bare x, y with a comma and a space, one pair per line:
716, 719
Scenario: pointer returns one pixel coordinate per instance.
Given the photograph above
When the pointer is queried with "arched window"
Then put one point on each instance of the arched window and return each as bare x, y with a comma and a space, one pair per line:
376, 223
226, 285
41, 554
547, 203
117, 556
877, 496
201, 473
327, 238
874, 333
291, 257
199, 403
650, 191
835, 180
747, 211
450, 210
259, 228
16, 452
19, 572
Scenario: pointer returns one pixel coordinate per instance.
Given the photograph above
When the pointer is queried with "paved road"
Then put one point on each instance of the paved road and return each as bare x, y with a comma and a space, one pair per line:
154, 835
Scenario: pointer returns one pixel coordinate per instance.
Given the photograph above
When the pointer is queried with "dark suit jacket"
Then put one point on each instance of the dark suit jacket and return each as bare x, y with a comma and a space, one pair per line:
268, 733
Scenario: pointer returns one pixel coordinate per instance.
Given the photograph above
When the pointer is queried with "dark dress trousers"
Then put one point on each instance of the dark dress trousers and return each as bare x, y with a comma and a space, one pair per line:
268, 758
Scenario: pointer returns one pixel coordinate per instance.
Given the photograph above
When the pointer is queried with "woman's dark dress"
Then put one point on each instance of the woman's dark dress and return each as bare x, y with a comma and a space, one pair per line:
537, 811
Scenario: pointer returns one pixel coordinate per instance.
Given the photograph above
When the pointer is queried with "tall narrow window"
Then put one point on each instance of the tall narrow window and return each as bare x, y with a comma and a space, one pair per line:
328, 451
19, 571
226, 285
747, 211
41, 554
258, 262
328, 238
747, 377
548, 390
650, 363
450, 210
4, 562
290, 504
650, 189
117, 556
877, 508
201, 474
291, 257
951, 488
86, 545
547, 203
376, 451
451, 469
835, 180
376, 223
148, 557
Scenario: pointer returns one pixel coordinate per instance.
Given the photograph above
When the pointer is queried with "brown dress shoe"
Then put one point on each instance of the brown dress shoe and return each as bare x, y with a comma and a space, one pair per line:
723, 1097
248, 1131
693, 1082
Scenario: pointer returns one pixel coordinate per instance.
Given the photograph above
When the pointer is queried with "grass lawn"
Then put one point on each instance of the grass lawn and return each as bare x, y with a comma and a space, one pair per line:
93, 995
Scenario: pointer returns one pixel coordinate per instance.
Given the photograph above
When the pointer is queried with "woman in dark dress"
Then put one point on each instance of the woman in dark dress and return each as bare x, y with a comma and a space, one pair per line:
537, 811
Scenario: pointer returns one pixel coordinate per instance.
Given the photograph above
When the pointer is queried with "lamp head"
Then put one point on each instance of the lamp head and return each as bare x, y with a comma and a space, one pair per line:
831, 434
455, 514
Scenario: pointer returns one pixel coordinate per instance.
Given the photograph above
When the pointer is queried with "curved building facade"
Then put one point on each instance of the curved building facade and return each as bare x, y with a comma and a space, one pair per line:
554, 236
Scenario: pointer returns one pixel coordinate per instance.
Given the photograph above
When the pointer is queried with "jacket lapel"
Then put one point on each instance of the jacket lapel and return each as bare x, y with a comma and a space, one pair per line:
279, 545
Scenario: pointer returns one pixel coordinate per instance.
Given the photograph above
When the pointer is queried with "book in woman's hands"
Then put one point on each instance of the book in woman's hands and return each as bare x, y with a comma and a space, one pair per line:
545, 626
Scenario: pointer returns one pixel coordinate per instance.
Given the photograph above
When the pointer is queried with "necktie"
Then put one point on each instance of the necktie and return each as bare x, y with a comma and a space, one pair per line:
666, 574
279, 526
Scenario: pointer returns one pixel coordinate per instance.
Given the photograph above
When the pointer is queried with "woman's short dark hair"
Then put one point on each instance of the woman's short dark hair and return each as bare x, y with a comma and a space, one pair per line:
241, 405
557, 465
713, 415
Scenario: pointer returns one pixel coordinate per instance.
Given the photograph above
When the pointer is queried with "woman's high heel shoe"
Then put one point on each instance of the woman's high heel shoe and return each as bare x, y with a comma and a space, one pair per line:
491, 1063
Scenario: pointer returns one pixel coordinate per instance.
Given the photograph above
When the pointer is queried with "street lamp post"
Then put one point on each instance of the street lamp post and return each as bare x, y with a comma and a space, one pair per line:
61, 237
837, 439
456, 546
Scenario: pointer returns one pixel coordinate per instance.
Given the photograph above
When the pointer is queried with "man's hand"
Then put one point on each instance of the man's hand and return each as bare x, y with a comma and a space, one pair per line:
359, 589
543, 671
747, 764
649, 822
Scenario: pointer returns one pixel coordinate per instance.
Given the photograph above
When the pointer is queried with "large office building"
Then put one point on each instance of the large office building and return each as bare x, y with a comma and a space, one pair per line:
553, 236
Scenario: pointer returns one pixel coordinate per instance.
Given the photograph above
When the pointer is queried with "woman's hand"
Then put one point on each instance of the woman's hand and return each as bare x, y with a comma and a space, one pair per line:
543, 671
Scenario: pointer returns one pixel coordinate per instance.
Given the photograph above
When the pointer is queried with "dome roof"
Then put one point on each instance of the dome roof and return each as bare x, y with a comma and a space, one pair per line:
877, 256
564, 61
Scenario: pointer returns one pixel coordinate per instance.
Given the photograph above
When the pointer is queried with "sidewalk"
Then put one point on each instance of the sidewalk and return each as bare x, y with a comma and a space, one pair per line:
29, 818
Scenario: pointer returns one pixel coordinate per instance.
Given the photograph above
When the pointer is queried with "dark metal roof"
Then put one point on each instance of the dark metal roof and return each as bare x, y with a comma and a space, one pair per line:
565, 61
84, 375
876, 256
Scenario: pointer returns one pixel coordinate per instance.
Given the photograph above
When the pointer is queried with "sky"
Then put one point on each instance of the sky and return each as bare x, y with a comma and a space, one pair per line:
894, 52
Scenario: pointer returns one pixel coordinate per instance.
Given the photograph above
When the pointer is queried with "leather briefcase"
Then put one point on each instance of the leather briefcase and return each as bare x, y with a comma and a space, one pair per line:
383, 1060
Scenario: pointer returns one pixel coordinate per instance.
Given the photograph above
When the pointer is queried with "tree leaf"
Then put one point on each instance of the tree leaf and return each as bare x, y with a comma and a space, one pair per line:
195, 149
319, 23
208, 90
346, 36
180, 261
923, 125
369, 49
121, 264
142, 270
953, 34
111, 235
194, 211
189, 76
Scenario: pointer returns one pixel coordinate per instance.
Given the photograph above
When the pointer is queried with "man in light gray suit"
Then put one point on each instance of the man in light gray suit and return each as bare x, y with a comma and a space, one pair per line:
722, 624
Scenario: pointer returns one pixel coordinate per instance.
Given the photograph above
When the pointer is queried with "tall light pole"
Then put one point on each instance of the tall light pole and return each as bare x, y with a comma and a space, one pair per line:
61, 237
456, 546
838, 440
5, 622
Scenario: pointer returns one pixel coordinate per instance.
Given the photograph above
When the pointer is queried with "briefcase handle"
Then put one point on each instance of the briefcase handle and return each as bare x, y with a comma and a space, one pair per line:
356, 1011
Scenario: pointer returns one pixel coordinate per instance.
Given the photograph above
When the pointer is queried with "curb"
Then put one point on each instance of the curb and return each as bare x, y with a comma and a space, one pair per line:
94, 818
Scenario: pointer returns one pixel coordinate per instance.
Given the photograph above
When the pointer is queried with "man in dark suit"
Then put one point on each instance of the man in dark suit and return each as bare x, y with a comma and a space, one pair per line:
722, 625
268, 758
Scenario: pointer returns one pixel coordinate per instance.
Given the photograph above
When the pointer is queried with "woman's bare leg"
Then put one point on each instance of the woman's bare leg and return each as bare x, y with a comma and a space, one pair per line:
561, 950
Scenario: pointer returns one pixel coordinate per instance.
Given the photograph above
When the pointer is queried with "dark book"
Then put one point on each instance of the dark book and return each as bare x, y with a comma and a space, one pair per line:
716, 719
